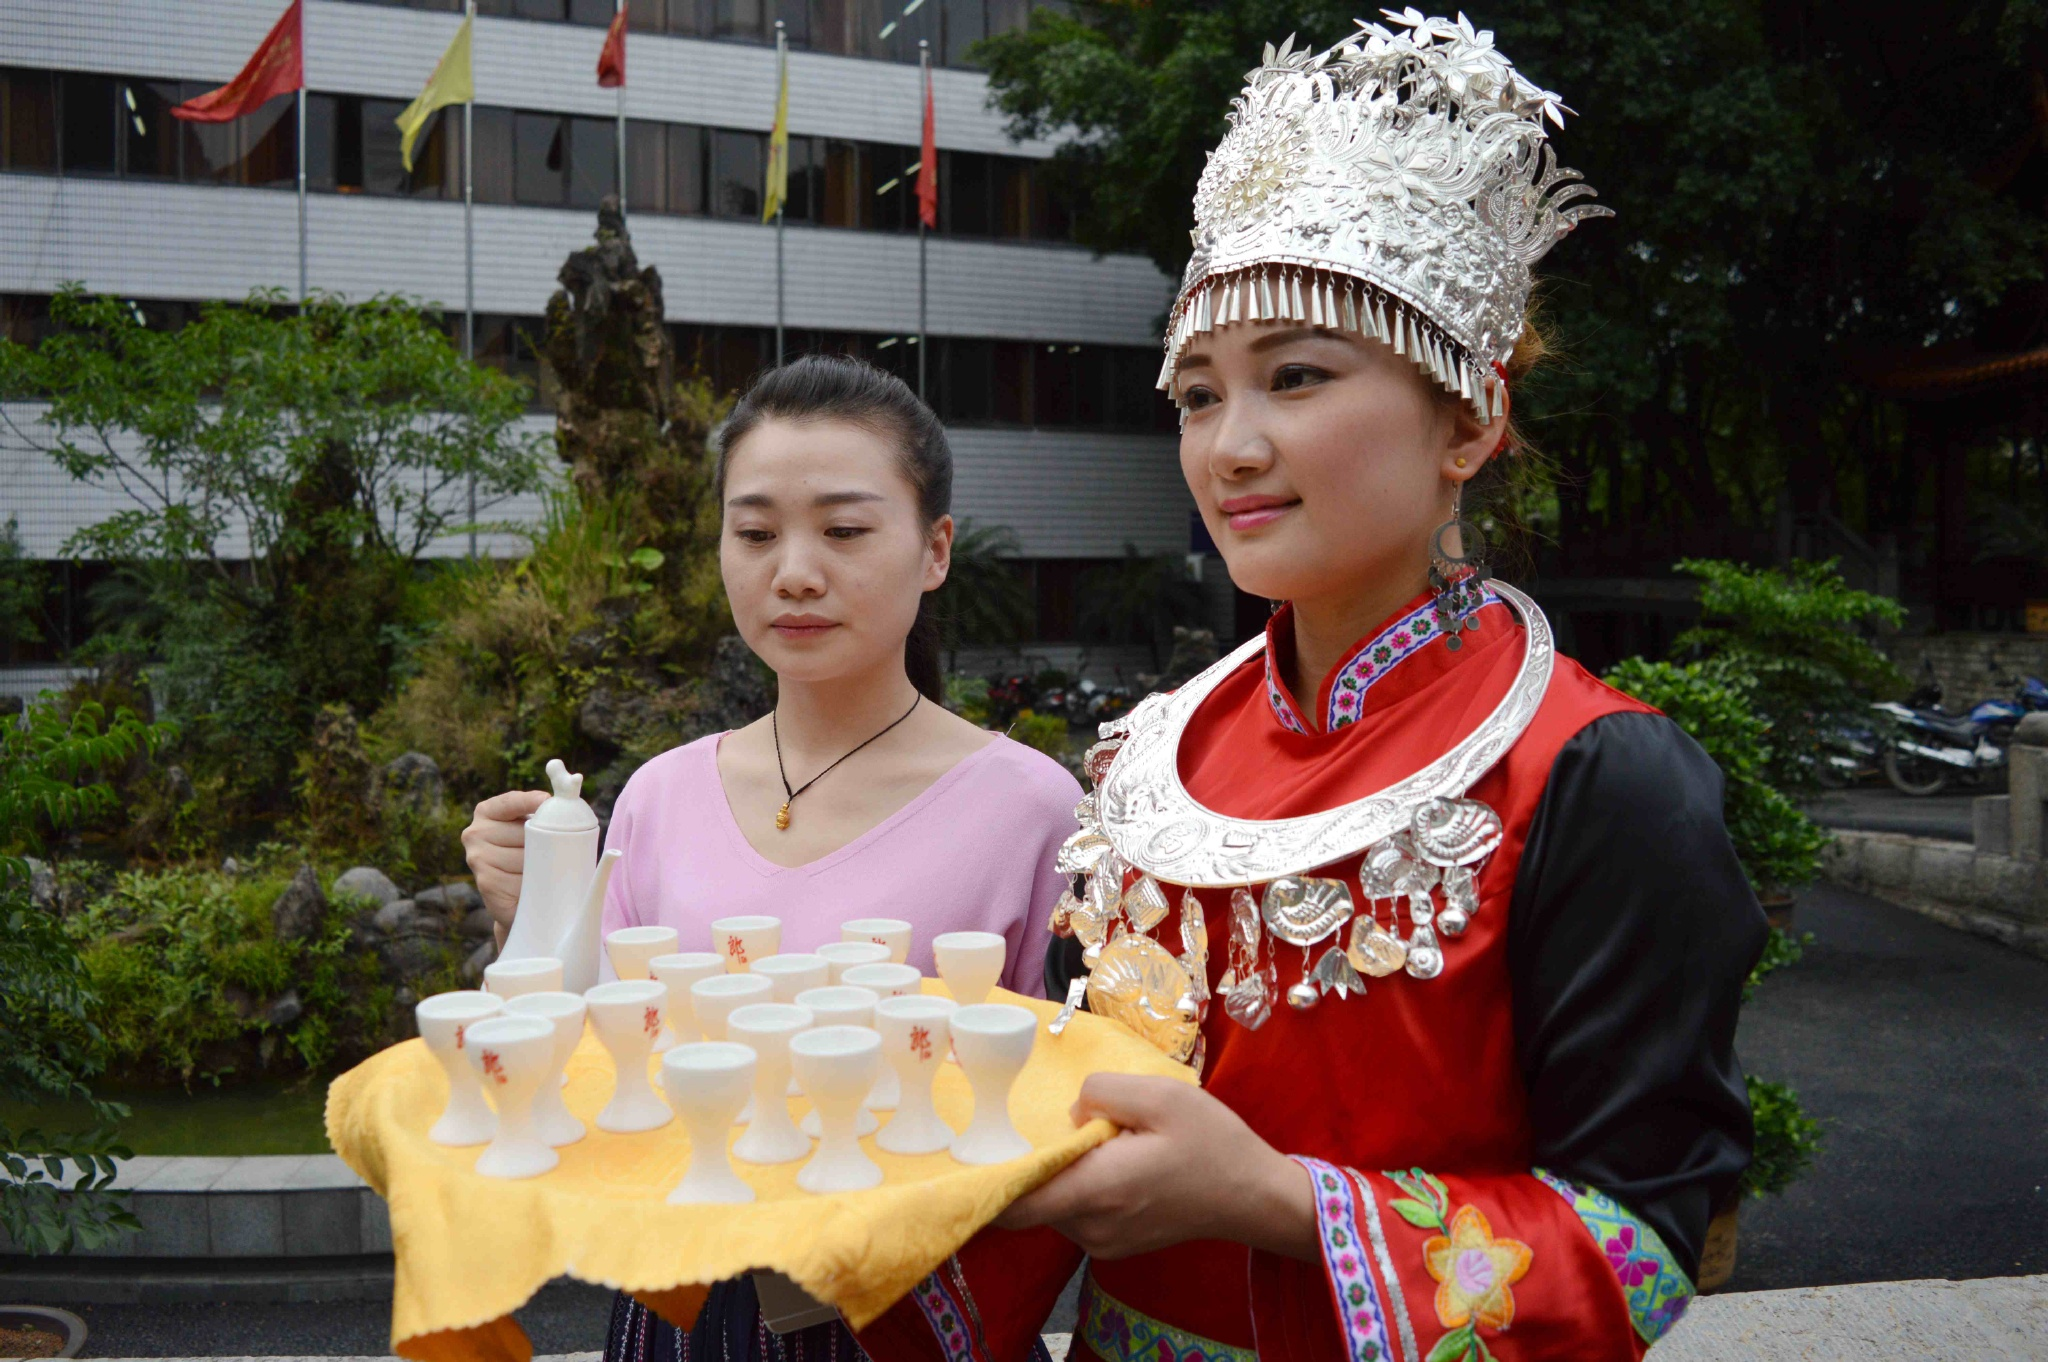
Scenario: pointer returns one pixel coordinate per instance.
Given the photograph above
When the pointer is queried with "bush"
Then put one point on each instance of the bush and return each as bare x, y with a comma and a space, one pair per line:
1779, 846
1795, 634
1786, 1139
1045, 732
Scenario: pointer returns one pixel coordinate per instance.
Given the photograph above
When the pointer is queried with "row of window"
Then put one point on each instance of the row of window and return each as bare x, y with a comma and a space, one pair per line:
888, 30
1049, 384
80, 124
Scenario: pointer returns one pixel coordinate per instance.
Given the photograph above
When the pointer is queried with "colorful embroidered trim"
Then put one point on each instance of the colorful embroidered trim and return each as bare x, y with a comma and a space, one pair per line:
1398, 1299
948, 1320
1657, 1289
1276, 696
1117, 1333
1473, 1270
1344, 1258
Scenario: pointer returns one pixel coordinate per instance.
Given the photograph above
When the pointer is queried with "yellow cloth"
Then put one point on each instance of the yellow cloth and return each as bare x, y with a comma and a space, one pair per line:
452, 83
470, 1249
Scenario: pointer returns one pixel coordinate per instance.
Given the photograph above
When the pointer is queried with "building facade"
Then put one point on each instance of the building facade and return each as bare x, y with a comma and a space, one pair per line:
1040, 354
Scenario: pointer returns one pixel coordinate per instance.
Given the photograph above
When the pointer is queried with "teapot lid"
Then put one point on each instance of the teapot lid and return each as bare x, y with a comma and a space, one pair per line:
565, 811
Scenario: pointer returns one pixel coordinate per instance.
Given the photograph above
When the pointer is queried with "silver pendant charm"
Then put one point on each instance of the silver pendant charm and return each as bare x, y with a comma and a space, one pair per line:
1085, 812
1453, 922
1076, 990
1250, 1001
1145, 904
1425, 957
1302, 996
1301, 910
1194, 945
1098, 760
1375, 950
1335, 974
1063, 912
1421, 909
1082, 852
1450, 832
1393, 868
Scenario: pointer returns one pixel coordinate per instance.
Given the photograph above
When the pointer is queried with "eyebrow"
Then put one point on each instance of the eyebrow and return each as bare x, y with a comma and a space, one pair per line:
762, 499
1200, 360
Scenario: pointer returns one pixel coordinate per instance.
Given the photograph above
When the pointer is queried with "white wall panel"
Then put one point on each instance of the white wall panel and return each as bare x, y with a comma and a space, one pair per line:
197, 241
1065, 494
366, 49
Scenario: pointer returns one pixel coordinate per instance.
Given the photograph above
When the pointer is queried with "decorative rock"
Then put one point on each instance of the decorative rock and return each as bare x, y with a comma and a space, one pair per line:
366, 882
179, 785
413, 780
456, 899
404, 917
42, 884
230, 867
472, 972
300, 909
406, 958
479, 925
286, 1010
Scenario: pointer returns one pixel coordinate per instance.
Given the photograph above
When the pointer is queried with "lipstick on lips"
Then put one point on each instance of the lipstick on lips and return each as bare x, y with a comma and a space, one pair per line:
803, 626
1249, 513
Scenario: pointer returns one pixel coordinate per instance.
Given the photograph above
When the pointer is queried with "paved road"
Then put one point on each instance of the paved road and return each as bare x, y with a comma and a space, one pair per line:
1920, 1048
1880, 808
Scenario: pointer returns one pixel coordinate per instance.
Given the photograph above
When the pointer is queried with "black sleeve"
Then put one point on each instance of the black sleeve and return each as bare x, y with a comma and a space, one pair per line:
1631, 932
1062, 966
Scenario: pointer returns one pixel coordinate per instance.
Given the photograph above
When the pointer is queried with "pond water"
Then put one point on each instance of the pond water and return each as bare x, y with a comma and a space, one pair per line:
256, 1118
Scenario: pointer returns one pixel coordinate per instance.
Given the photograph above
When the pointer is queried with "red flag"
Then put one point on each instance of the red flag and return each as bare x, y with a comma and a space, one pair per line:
928, 164
278, 67
611, 62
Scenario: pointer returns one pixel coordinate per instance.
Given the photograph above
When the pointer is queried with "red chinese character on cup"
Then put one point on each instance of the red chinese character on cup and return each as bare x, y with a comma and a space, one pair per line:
921, 1042
736, 948
460, 1032
651, 1022
879, 941
493, 1066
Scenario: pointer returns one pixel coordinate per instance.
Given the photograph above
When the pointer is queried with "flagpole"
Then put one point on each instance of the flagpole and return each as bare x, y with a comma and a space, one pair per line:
781, 209
618, 9
469, 243
924, 70
302, 187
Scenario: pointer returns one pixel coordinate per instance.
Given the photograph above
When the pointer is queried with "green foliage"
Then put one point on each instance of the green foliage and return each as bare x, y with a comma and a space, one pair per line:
1779, 846
49, 768
985, 600
967, 696
1793, 633
1786, 1139
23, 587
1806, 204
1781, 948
1046, 732
1139, 600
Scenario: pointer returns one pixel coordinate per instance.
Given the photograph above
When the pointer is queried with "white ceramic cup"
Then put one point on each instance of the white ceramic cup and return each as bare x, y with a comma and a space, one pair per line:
679, 970
766, 1028
514, 1058
914, 1030
707, 1084
888, 981
630, 948
444, 1021
564, 1011
840, 1005
993, 1041
892, 932
793, 973
533, 974
836, 1065
626, 1014
743, 940
713, 1000
970, 963
842, 956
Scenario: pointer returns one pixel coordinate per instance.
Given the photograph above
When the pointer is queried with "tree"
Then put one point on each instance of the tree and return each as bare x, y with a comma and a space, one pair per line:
1794, 188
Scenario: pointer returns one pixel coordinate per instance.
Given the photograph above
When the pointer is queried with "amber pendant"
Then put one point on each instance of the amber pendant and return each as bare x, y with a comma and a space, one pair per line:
782, 817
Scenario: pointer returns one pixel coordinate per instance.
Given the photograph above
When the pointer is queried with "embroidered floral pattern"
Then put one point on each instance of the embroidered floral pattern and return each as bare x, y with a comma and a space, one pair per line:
948, 1320
1473, 1270
1656, 1289
1370, 664
1344, 1258
1276, 696
1114, 1331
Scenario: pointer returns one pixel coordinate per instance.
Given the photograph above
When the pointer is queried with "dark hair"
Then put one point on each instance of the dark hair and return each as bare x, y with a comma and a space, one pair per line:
841, 388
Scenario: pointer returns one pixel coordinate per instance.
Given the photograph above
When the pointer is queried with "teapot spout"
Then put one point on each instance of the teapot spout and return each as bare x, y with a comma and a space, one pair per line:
579, 945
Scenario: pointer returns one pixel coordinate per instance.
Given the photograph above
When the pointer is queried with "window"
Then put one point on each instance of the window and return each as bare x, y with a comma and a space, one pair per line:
741, 19
967, 380
1013, 382
28, 120
736, 173
1053, 384
845, 201
491, 141
539, 159
24, 318
646, 166
270, 139
965, 195
965, 23
89, 136
893, 172
149, 135
208, 150
593, 13
322, 121
593, 160
688, 160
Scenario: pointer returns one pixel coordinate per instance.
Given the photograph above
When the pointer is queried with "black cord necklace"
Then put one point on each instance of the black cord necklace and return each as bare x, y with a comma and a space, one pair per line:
789, 795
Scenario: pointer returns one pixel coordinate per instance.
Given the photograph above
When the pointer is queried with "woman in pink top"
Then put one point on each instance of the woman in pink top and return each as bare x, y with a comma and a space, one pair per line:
859, 795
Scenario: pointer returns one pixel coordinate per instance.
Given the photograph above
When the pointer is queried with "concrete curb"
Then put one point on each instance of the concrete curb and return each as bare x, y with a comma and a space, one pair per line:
1997, 1319
2004, 898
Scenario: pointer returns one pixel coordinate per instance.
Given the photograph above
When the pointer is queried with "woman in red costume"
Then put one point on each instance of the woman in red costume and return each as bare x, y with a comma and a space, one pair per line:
1451, 932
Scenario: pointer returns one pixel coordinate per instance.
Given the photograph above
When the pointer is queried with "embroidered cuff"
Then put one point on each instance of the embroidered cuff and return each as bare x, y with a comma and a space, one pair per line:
1657, 1290
1347, 1235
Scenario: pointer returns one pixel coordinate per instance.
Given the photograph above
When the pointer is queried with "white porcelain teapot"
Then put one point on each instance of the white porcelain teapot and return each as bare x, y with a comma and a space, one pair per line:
561, 891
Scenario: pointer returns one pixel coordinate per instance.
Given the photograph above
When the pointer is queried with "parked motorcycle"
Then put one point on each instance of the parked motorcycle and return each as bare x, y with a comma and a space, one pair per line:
1930, 748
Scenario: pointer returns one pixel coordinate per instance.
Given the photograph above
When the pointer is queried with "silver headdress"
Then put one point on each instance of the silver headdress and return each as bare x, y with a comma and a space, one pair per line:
1399, 185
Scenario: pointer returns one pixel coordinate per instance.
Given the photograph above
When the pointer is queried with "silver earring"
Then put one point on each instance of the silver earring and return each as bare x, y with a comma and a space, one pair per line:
1455, 579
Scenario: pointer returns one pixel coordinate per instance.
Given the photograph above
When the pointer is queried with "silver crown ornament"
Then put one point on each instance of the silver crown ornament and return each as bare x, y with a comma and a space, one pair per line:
1400, 185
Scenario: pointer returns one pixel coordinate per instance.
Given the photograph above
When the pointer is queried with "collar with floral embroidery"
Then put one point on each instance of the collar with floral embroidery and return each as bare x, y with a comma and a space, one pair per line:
1370, 663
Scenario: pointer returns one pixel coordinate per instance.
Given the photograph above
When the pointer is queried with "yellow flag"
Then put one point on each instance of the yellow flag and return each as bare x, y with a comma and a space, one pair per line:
778, 149
451, 83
